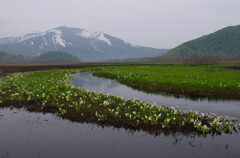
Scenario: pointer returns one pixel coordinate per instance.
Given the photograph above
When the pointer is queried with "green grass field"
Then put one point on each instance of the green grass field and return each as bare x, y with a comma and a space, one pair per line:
51, 91
211, 81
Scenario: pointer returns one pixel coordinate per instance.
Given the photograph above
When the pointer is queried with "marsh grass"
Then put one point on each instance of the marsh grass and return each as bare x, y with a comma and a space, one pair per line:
211, 81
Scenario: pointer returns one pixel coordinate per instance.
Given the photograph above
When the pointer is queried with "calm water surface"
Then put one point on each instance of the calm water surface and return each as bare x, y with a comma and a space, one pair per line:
37, 135
34, 135
86, 81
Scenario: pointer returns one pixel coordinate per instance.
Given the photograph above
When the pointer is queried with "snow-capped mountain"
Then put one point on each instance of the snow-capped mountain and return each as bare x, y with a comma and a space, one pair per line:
88, 46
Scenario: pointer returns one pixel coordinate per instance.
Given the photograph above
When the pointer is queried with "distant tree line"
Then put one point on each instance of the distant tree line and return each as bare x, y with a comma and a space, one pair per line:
49, 57
192, 59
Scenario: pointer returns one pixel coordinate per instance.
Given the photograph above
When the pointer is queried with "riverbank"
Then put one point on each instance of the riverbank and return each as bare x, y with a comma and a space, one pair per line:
51, 91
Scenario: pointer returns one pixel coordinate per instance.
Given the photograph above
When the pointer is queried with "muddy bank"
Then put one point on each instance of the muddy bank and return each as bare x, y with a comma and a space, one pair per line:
12, 68
232, 67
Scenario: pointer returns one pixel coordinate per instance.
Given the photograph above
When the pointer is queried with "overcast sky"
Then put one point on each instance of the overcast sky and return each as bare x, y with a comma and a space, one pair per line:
153, 23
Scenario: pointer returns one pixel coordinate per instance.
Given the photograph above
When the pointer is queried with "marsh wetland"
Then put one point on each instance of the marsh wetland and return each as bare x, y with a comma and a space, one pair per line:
80, 113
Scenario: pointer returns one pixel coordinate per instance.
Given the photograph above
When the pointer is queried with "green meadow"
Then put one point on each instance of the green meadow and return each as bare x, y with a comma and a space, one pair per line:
212, 81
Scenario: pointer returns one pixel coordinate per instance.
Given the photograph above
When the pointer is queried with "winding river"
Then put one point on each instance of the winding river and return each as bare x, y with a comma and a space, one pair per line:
86, 81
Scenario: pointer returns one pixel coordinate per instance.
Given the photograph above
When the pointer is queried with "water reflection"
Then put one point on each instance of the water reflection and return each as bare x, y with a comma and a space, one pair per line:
223, 107
25, 134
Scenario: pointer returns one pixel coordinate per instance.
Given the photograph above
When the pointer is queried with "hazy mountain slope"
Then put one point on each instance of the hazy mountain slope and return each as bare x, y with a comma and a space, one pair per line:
49, 57
8, 58
225, 42
55, 57
87, 46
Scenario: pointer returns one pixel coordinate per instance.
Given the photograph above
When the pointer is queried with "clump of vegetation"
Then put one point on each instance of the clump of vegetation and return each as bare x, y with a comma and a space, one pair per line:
210, 81
55, 57
52, 91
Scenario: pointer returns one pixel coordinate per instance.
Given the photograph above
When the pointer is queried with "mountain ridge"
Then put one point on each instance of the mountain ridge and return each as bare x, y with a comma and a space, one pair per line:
86, 45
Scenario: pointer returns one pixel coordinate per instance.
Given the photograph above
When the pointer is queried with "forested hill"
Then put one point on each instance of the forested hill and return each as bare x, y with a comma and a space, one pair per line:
49, 57
55, 57
8, 58
223, 43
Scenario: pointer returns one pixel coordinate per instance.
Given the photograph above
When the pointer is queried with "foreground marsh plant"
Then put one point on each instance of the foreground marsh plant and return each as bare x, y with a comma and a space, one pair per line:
51, 91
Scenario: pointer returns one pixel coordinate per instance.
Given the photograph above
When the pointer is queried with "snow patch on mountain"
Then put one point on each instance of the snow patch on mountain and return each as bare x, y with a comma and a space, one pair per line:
95, 35
93, 46
29, 36
41, 46
44, 41
57, 38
